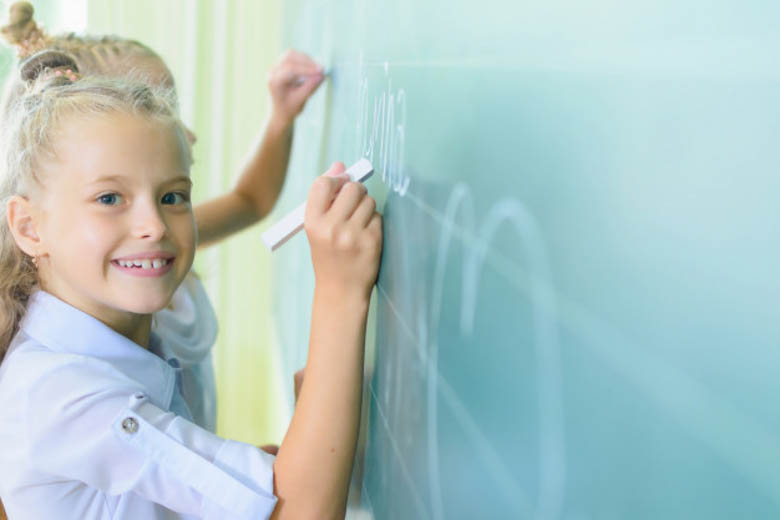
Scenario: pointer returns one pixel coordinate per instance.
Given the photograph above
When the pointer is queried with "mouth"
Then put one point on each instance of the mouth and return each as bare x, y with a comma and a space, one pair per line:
145, 266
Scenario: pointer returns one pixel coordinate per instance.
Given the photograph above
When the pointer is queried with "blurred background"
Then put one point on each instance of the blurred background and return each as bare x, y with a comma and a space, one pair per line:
219, 53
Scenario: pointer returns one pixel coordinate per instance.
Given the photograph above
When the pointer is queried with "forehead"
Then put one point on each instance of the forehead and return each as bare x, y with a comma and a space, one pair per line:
117, 144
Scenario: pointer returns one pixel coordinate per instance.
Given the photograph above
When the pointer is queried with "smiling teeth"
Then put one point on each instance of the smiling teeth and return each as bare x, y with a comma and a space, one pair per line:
146, 263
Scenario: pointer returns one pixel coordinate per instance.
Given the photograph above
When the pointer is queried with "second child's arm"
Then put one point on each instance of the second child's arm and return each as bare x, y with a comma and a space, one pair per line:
314, 463
290, 82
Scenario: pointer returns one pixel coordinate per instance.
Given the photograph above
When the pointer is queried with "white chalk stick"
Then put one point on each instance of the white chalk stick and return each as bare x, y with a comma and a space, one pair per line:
291, 223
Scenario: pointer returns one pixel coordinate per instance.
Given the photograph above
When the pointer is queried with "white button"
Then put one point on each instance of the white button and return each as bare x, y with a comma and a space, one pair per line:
130, 425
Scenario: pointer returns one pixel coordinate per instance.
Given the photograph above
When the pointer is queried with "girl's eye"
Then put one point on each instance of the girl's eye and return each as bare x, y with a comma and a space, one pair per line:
110, 199
175, 197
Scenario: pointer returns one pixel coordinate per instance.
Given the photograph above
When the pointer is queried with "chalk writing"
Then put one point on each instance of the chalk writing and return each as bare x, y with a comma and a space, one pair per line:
382, 129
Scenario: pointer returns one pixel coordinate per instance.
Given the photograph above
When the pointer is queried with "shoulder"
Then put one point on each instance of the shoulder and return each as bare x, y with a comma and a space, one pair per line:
44, 394
35, 374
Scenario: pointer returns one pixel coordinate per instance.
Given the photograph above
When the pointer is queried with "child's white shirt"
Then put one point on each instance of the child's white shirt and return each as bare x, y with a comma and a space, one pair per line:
92, 426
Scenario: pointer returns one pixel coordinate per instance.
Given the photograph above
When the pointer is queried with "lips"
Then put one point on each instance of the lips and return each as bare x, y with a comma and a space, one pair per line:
149, 254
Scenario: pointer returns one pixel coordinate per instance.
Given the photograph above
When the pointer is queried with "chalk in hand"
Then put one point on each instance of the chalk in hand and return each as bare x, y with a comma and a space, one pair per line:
291, 223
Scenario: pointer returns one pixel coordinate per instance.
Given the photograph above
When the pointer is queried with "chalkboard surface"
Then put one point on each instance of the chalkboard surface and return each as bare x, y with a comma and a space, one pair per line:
577, 311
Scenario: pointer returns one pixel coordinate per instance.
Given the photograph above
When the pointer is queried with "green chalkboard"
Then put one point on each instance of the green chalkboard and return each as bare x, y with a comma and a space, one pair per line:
578, 309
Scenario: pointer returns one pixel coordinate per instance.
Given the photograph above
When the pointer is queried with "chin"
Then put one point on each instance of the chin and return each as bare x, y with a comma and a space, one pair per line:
147, 304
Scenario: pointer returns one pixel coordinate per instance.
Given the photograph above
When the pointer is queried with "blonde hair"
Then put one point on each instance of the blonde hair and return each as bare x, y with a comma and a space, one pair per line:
28, 129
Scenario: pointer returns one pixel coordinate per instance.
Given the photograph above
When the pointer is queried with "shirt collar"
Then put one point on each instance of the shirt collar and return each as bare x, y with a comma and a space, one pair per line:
64, 328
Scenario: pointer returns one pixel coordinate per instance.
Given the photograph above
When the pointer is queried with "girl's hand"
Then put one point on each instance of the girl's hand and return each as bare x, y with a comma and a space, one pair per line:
291, 81
345, 234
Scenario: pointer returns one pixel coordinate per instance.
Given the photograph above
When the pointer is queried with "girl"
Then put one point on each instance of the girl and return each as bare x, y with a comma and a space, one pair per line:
97, 234
188, 325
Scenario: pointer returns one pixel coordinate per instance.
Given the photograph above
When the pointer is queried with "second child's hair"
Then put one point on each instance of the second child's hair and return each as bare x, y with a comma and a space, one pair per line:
30, 123
93, 56
105, 56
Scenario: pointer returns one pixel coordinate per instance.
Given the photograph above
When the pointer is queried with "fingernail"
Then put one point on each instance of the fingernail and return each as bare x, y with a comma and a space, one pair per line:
340, 175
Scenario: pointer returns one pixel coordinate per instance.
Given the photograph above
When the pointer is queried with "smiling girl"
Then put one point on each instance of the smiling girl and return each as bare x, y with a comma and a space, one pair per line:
188, 325
97, 234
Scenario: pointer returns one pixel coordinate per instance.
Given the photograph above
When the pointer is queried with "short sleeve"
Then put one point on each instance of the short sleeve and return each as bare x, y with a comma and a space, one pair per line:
114, 439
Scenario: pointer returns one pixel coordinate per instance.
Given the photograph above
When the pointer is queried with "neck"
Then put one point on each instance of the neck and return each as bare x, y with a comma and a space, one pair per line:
135, 327
138, 329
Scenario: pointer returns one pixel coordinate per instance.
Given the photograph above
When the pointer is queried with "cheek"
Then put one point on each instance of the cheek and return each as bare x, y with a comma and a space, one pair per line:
70, 230
183, 229
99, 234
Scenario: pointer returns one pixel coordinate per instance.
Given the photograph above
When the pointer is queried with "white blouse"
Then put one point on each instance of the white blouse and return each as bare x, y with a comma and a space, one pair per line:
93, 426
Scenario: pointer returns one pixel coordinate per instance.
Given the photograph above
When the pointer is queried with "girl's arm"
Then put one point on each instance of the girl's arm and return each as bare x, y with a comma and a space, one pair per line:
291, 82
314, 463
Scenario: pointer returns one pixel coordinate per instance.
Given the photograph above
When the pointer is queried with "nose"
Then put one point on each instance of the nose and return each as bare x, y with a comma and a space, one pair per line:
149, 223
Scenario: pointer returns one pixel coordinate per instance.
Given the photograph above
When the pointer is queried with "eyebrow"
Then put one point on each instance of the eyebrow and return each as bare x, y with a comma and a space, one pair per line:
182, 178
109, 178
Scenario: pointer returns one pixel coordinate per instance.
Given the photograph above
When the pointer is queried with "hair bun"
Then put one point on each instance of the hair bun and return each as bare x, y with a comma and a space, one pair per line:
20, 23
42, 62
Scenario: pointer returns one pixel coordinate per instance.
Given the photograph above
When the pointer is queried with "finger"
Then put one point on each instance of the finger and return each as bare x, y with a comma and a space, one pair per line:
282, 74
287, 71
289, 74
309, 68
294, 56
295, 67
312, 83
303, 90
347, 201
323, 191
308, 82
364, 212
336, 169
375, 225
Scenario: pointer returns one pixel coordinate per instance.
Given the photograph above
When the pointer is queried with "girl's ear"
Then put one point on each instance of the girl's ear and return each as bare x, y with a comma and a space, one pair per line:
22, 219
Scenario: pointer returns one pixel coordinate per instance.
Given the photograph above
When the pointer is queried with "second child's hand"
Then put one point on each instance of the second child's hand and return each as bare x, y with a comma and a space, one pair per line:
291, 82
